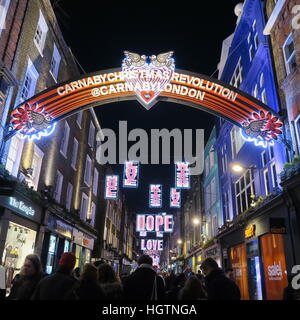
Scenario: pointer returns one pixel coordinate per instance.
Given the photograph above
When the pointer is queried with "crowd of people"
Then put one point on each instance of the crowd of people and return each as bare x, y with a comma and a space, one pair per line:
98, 281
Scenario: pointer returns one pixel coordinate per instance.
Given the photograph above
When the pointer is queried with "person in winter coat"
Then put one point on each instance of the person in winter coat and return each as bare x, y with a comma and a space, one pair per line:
217, 285
109, 282
55, 286
175, 286
192, 290
30, 275
87, 288
143, 283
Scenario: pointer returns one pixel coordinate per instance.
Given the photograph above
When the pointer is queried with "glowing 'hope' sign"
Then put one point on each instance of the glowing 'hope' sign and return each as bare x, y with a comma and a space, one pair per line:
131, 174
182, 173
154, 222
111, 187
152, 244
175, 198
155, 196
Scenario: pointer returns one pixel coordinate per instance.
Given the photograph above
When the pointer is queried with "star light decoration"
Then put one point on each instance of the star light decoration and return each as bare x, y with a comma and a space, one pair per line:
32, 121
263, 129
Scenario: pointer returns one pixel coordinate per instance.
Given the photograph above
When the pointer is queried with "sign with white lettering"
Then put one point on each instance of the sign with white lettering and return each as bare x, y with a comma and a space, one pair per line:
155, 196
175, 198
152, 244
18, 204
111, 187
148, 80
182, 175
131, 174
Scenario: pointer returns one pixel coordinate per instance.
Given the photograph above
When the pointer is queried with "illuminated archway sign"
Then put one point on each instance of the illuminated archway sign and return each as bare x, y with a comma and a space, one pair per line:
147, 82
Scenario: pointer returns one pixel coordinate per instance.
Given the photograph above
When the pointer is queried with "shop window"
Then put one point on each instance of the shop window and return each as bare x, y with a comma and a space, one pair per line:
51, 254
55, 62
19, 242
4, 5
65, 140
41, 33
274, 265
289, 55
14, 155
238, 260
74, 154
67, 246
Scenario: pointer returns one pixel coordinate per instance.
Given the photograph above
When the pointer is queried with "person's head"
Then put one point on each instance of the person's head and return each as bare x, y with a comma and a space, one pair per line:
208, 265
106, 273
68, 260
145, 259
89, 273
229, 273
97, 263
32, 265
77, 271
193, 287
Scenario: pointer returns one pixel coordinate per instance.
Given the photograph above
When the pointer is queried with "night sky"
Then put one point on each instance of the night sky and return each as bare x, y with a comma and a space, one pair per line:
98, 34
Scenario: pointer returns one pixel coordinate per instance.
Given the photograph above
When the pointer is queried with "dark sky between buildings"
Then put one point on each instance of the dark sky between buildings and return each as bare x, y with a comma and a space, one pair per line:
98, 34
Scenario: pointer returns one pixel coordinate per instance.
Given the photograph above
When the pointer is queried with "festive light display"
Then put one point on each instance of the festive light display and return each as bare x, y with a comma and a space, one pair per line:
154, 222
111, 187
131, 174
155, 196
175, 198
182, 175
152, 244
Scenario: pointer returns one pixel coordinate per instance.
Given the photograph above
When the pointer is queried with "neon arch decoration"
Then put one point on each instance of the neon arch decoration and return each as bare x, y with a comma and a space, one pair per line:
149, 83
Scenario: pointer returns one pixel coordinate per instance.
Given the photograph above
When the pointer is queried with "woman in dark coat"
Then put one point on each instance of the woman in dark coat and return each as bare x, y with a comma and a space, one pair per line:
109, 283
30, 275
87, 288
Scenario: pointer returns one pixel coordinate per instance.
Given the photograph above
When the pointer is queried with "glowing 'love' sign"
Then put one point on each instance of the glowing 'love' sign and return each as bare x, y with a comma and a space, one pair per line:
131, 174
111, 187
175, 198
152, 244
182, 174
155, 196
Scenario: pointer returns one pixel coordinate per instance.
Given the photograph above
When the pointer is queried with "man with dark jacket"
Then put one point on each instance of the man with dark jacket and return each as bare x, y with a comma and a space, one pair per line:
55, 286
217, 285
143, 283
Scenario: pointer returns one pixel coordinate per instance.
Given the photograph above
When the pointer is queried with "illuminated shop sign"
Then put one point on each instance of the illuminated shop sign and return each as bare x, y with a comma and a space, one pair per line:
131, 174
250, 231
155, 196
175, 198
21, 206
152, 244
111, 187
148, 79
154, 223
182, 175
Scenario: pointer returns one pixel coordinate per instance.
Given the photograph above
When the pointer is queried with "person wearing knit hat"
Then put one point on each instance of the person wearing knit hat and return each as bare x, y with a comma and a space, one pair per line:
57, 285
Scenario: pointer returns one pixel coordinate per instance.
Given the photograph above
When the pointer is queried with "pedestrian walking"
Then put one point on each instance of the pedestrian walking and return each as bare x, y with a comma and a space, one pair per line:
55, 286
217, 285
25, 284
2, 283
175, 286
87, 288
143, 283
109, 282
192, 290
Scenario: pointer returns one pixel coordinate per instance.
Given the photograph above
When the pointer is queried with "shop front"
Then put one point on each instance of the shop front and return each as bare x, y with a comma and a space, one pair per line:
57, 240
82, 247
214, 252
259, 254
19, 230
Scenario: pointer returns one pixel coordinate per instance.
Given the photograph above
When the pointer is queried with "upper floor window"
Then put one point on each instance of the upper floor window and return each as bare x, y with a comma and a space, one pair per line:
261, 80
58, 186
29, 83
255, 91
79, 118
251, 53
69, 196
96, 181
41, 33
88, 171
65, 140
91, 138
244, 188
14, 155
84, 206
55, 62
36, 166
289, 54
236, 141
237, 76
4, 5
74, 154
264, 158
264, 96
